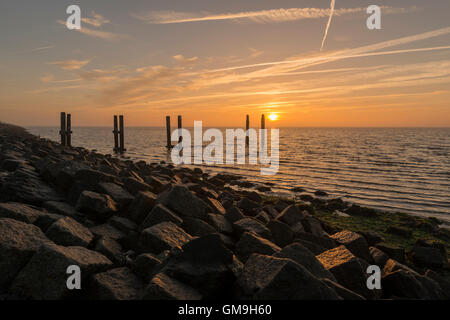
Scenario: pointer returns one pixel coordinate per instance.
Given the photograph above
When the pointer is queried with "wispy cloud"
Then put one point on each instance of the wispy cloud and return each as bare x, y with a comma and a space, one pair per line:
70, 64
333, 3
41, 48
95, 19
181, 58
261, 16
109, 36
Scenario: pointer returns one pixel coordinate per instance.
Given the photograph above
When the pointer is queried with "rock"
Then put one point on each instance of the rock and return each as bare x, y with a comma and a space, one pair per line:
215, 205
163, 236
291, 215
356, 210
205, 264
281, 233
134, 186
379, 257
141, 206
399, 231
46, 219
354, 242
426, 257
111, 249
97, 206
122, 224
298, 189
263, 189
324, 241
45, 275
63, 173
270, 278
251, 225
346, 269
395, 253
18, 242
443, 283
313, 225
281, 205
305, 258
315, 248
372, 237
122, 197
320, 193
107, 230
116, 284
160, 213
62, 208
155, 183
144, 266
92, 177
68, 232
163, 287
263, 217
271, 211
248, 206
343, 292
402, 284
233, 214
250, 243
19, 211
197, 227
220, 223
184, 202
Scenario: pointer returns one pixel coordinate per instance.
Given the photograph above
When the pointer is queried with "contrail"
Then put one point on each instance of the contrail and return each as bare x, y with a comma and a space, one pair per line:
333, 2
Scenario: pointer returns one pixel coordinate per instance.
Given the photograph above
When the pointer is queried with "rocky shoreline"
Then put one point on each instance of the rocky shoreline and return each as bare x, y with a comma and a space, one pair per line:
155, 231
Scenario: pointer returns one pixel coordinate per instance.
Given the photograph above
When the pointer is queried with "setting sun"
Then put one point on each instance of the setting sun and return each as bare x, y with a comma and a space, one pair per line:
273, 117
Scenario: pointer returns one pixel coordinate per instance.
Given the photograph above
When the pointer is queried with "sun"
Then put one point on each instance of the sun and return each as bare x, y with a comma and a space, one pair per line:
273, 117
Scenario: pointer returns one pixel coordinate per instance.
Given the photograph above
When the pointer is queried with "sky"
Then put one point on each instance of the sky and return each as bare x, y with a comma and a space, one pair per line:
217, 60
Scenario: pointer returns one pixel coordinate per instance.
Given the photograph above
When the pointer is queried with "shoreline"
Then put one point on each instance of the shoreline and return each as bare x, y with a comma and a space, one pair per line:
141, 224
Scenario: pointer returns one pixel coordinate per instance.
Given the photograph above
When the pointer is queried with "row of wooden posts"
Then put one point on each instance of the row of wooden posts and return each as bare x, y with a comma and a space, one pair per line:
119, 131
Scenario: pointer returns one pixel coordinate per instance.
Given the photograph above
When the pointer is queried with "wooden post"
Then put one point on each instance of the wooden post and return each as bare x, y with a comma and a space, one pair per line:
169, 141
116, 135
69, 130
122, 136
247, 127
62, 132
179, 129
263, 122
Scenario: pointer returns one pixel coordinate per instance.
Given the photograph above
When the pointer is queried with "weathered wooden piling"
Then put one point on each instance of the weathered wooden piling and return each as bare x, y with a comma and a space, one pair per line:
169, 140
247, 127
263, 122
179, 129
62, 131
121, 134
69, 130
116, 135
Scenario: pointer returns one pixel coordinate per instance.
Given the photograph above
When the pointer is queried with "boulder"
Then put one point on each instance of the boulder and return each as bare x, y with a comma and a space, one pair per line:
379, 257
92, 177
233, 214
282, 234
116, 284
122, 224
144, 266
160, 213
313, 225
18, 242
346, 269
163, 287
45, 275
263, 217
220, 223
291, 215
97, 206
251, 225
184, 202
111, 249
372, 237
163, 236
427, 257
46, 219
19, 211
107, 230
68, 232
141, 206
354, 242
356, 210
395, 253
134, 186
248, 206
315, 248
403, 284
305, 258
121, 196
215, 205
197, 227
343, 292
271, 278
62, 208
324, 241
250, 243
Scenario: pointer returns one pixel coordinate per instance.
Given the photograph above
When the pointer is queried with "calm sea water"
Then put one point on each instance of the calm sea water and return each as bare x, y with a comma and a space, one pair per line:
399, 169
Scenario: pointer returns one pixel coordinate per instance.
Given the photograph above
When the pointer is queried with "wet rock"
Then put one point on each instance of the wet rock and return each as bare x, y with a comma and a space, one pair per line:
291, 215
116, 192
144, 266
18, 242
155, 183
354, 242
19, 211
68, 232
270, 278
305, 258
233, 214
220, 223
250, 243
160, 213
356, 210
313, 225
45, 276
111, 249
205, 264
97, 206
184, 202
116, 284
346, 269
141, 206
427, 257
248, 206
251, 225
263, 189
197, 227
163, 287
282, 234
298, 189
163, 236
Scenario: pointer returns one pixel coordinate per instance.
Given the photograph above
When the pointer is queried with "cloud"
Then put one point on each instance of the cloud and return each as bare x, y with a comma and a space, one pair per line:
109, 36
95, 20
70, 64
181, 58
333, 3
41, 48
262, 16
